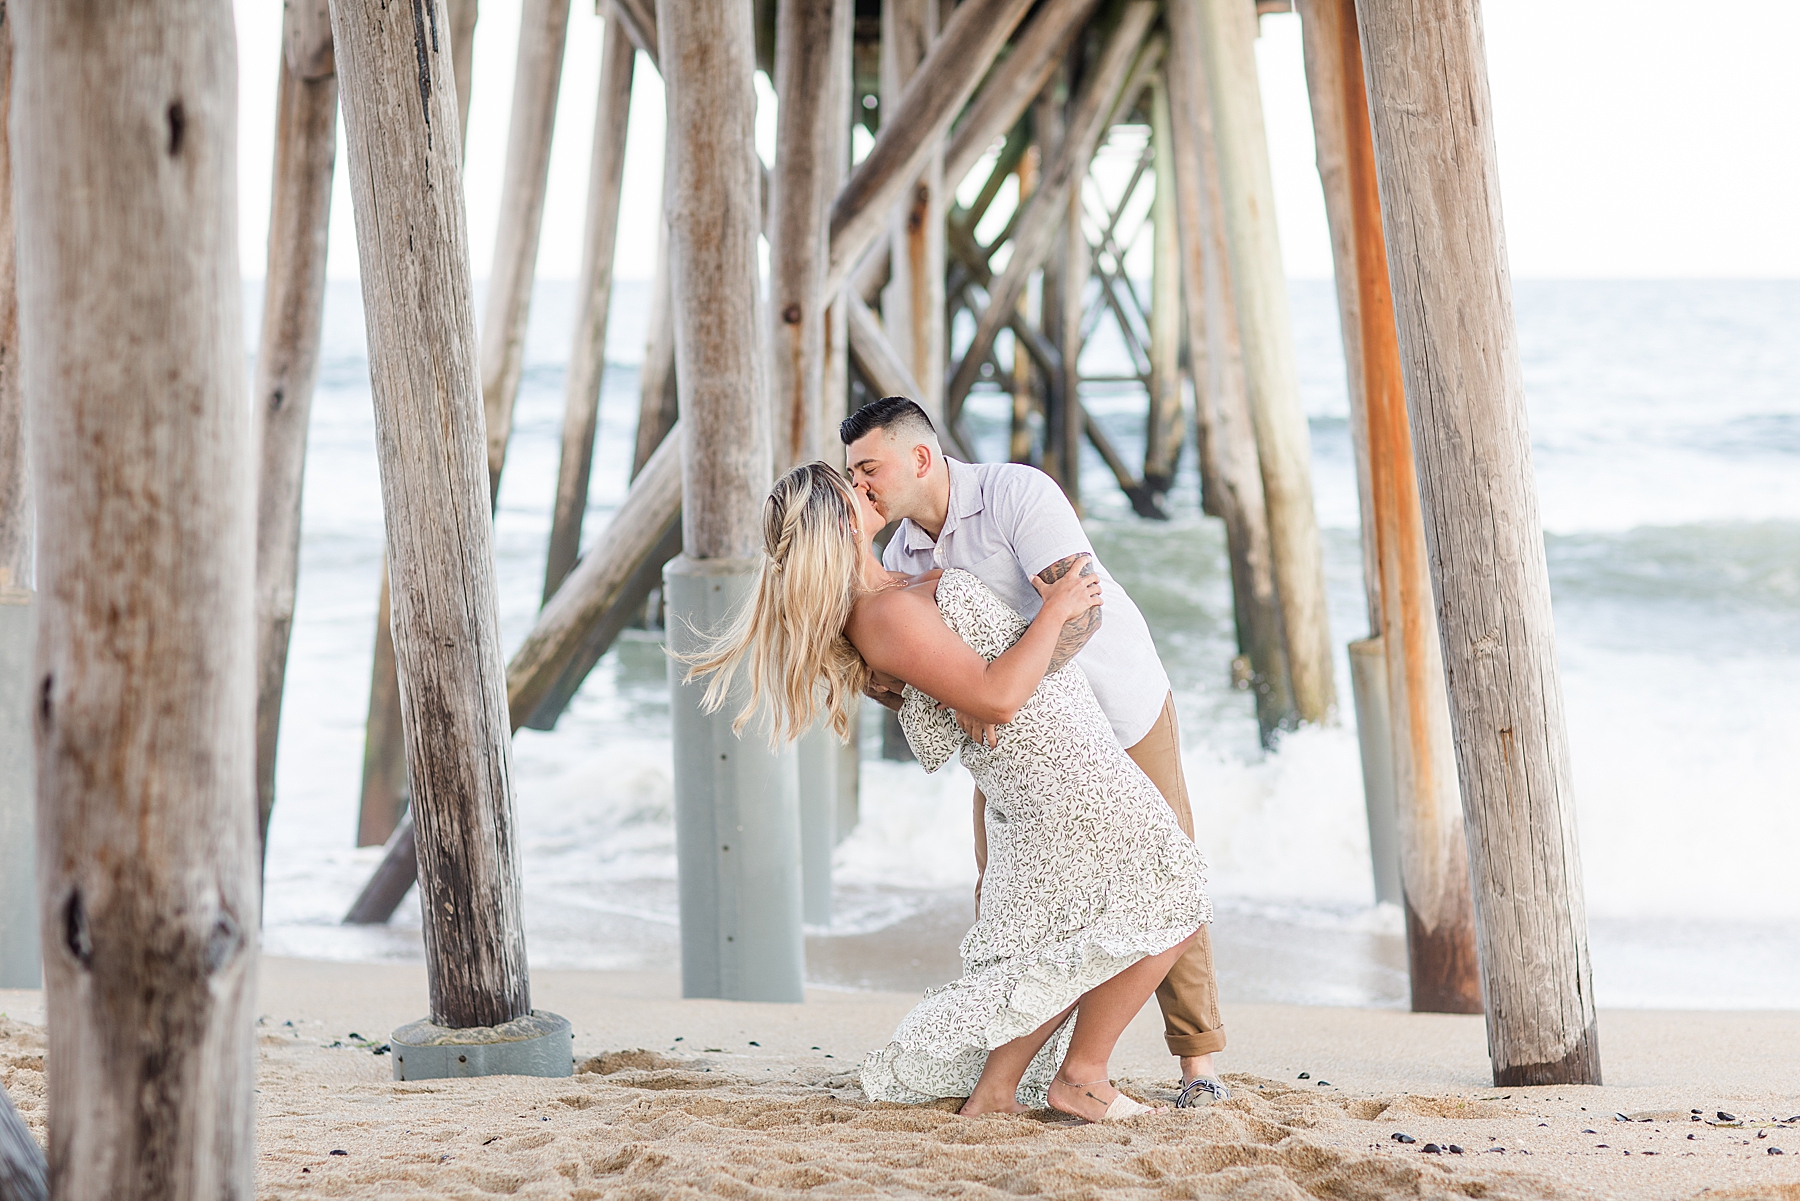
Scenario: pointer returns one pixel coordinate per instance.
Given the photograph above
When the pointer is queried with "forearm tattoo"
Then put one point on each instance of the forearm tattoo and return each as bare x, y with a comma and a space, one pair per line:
1077, 630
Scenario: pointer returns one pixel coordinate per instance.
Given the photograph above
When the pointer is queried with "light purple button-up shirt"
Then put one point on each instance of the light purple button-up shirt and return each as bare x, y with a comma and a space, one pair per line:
1006, 523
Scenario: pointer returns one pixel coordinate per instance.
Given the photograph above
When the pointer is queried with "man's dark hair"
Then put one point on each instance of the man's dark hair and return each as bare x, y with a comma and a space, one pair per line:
888, 413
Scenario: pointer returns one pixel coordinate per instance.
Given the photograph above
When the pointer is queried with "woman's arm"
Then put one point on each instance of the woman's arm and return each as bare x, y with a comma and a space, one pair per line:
901, 633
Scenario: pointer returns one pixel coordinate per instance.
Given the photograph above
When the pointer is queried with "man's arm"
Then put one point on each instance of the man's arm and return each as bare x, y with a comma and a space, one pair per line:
1076, 631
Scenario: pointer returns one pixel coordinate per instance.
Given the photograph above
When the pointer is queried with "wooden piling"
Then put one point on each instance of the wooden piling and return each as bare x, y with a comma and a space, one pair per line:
912, 305
914, 127
575, 627
1055, 207
1048, 113
804, 181
287, 354
736, 809
537, 76
1075, 261
19, 951
1259, 285
1024, 377
811, 53
1434, 859
587, 357
835, 396
1014, 84
385, 794
418, 297
24, 1176
1432, 118
1227, 439
1165, 427
144, 690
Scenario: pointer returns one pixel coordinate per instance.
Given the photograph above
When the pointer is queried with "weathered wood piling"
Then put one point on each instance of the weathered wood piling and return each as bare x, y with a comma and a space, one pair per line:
144, 686
736, 806
587, 357
1259, 287
24, 1176
1426, 73
537, 74
412, 240
385, 794
1229, 464
1433, 856
287, 355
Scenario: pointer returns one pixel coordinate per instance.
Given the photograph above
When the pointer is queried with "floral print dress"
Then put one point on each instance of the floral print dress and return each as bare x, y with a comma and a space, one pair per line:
1087, 872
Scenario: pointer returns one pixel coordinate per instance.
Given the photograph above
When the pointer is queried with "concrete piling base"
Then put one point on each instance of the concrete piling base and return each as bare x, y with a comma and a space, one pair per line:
538, 1044
20, 966
737, 814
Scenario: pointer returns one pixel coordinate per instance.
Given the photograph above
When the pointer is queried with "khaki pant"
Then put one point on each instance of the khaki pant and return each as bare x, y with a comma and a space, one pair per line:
1189, 995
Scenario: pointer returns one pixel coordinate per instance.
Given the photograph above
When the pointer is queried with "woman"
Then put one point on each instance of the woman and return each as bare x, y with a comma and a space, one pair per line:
1092, 891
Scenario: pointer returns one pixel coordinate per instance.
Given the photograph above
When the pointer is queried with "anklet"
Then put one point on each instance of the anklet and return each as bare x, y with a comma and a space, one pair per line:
1085, 1084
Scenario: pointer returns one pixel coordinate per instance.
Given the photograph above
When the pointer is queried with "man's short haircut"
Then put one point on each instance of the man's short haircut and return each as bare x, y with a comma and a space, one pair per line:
895, 414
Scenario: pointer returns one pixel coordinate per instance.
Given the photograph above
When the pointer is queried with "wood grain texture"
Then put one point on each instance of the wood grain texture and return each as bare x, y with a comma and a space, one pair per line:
125, 124
384, 789
1426, 73
587, 357
1227, 438
912, 304
1047, 213
804, 181
1013, 83
1434, 858
418, 298
1259, 286
287, 366
537, 75
914, 127
710, 200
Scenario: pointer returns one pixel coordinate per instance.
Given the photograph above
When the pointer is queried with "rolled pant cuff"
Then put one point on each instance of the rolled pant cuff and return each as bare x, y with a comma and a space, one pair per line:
1204, 1043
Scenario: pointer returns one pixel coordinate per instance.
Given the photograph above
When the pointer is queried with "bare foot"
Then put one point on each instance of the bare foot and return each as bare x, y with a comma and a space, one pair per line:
976, 1106
1092, 1100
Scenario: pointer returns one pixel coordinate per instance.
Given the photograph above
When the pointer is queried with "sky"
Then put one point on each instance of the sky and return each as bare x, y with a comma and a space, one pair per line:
1648, 139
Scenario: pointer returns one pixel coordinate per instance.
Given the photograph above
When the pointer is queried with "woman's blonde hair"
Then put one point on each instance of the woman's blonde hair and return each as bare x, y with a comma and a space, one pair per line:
790, 636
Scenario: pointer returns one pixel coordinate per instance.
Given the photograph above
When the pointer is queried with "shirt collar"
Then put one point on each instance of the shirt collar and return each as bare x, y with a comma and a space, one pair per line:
965, 501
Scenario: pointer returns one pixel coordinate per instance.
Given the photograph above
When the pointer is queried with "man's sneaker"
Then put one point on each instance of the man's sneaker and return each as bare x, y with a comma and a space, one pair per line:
1201, 1090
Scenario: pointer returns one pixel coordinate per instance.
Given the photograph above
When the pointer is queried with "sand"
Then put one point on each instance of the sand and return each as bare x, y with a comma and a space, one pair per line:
689, 1098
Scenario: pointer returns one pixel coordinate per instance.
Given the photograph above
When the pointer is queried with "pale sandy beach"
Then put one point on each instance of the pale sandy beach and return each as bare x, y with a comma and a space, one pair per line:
687, 1098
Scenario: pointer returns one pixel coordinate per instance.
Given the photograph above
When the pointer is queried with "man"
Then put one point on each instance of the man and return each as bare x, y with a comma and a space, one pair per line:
1003, 523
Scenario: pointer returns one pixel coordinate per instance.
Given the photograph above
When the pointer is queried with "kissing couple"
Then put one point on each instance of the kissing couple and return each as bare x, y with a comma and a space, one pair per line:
992, 628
